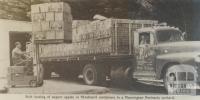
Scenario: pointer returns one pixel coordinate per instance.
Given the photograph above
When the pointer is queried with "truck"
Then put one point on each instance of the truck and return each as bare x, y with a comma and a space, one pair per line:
119, 50
145, 52
96, 53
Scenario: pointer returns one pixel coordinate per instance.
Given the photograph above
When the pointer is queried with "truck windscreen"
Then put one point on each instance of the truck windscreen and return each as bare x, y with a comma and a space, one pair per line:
169, 36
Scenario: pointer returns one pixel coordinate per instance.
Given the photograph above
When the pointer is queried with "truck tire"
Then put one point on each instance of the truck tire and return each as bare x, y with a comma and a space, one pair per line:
165, 80
40, 84
93, 74
121, 76
33, 83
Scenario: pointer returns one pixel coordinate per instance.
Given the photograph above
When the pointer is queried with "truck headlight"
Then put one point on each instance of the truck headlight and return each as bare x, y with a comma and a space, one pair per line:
165, 51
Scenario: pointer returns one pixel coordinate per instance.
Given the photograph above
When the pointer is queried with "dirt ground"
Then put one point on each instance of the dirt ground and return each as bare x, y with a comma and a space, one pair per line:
62, 86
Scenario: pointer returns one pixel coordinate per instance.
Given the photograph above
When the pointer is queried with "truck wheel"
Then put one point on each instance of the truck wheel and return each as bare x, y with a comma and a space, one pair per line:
40, 84
121, 76
33, 83
93, 75
166, 81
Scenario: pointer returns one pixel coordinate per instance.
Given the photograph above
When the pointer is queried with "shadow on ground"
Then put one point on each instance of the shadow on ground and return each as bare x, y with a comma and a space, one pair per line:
136, 86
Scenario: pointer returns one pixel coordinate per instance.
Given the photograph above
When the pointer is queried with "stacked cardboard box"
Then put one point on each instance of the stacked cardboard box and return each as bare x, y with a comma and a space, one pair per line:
111, 36
94, 47
52, 21
101, 29
75, 24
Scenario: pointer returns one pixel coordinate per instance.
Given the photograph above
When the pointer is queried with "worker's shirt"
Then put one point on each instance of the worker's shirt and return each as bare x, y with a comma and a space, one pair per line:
142, 42
17, 56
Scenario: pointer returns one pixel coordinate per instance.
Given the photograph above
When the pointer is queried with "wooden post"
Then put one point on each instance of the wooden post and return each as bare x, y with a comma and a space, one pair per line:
130, 39
36, 62
116, 38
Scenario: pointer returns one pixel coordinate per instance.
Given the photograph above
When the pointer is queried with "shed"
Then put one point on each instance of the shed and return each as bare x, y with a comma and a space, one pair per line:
10, 32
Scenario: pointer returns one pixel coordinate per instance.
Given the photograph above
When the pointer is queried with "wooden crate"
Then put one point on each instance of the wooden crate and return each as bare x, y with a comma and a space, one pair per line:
52, 22
114, 38
43, 7
34, 9
39, 8
119, 30
65, 35
63, 16
77, 23
37, 17
16, 69
60, 34
56, 25
60, 25
51, 35
45, 26
36, 27
77, 27
50, 16
39, 35
59, 7
51, 7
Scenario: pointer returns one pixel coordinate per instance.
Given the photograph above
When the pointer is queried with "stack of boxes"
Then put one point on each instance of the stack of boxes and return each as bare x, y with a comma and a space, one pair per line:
102, 29
93, 30
52, 21
75, 25
97, 38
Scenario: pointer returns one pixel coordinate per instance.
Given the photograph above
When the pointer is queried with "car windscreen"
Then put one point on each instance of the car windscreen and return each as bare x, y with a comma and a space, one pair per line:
169, 36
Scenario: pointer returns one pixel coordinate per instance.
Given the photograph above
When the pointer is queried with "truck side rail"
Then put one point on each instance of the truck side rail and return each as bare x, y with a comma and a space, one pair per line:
104, 57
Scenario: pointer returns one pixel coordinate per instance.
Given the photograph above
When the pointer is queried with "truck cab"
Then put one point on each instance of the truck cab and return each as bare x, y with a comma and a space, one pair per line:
158, 48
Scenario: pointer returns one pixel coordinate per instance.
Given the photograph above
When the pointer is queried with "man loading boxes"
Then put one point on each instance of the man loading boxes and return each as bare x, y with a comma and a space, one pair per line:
21, 58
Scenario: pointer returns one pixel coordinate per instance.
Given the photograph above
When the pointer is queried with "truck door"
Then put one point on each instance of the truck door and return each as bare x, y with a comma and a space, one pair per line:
144, 49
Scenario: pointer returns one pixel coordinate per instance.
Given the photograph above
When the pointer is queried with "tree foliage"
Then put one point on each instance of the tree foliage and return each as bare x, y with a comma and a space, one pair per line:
14, 9
179, 13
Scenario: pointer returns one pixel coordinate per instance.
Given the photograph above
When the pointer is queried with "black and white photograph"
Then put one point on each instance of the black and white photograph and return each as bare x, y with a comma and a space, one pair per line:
100, 49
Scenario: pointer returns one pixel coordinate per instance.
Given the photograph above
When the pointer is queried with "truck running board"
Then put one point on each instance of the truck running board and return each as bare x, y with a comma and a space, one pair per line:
144, 75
